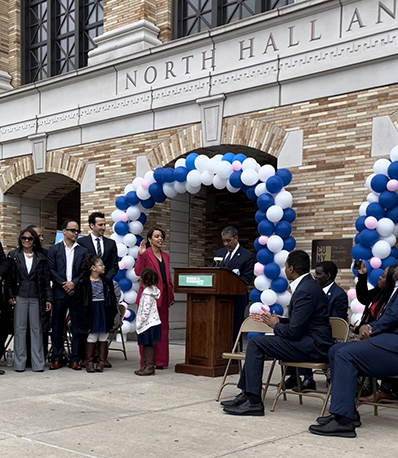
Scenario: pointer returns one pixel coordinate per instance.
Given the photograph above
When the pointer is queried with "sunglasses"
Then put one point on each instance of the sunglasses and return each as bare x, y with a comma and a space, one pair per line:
75, 231
99, 265
27, 239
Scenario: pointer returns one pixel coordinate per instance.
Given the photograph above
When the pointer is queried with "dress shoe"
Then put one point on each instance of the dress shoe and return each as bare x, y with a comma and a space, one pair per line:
332, 428
240, 399
307, 384
325, 420
246, 409
55, 365
2, 372
378, 397
290, 382
108, 365
75, 366
159, 368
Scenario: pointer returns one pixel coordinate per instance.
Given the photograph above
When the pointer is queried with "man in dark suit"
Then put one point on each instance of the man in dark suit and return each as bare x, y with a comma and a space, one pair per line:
305, 336
240, 261
374, 355
64, 261
5, 308
99, 245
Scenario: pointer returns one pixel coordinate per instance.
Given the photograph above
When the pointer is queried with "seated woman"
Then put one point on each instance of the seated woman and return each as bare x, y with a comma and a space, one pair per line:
375, 301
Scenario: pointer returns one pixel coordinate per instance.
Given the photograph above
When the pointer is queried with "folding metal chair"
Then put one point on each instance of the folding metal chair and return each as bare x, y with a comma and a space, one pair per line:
118, 331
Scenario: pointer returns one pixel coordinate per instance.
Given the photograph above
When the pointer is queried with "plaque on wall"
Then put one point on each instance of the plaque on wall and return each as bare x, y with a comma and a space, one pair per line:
336, 250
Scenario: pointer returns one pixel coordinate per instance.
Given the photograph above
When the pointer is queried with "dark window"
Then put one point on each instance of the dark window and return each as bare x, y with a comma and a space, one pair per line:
58, 34
192, 16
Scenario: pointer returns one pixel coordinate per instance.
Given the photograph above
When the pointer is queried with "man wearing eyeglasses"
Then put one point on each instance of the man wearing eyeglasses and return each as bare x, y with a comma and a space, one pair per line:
65, 260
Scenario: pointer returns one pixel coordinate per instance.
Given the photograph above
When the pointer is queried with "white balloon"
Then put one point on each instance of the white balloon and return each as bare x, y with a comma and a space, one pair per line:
206, 177
249, 163
274, 213
275, 243
218, 182
169, 191
284, 298
372, 197
381, 166
260, 189
213, 163
129, 261
133, 251
130, 297
193, 178
394, 153
362, 209
224, 169
131, 275
149, 176
395, 231
180, 187
385, 227
136, 227
142, 193
391, 240
201, 162
136, 183
355, 318
180, 162
269, 297
256, 307
117, 238
231, 188
381, 249
265, 172
136, 286
133, 326
281, 257
261, 282
126, 326
133, 212
284, 199
122, 250
368, 181
128, 188
116, 215
249, 177
192, 189
129, 240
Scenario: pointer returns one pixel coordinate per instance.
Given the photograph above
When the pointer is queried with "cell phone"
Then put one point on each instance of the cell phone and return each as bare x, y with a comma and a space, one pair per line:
357, 264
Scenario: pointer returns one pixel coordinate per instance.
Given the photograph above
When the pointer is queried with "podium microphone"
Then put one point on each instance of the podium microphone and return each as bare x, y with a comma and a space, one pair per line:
218, 260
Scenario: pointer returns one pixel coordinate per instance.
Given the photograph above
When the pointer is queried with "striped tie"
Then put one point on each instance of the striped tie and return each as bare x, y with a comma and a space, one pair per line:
99, 251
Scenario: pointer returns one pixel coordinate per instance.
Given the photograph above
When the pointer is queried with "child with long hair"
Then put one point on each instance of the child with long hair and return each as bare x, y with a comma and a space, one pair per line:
148, 321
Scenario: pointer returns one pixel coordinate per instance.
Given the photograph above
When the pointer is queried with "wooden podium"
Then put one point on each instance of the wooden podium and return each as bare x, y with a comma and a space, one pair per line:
210, 309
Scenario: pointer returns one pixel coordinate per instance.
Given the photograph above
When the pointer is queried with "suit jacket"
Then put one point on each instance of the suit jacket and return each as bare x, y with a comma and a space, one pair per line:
338, 302
243, 260
56, 260
109, 256
308, 323
3, 271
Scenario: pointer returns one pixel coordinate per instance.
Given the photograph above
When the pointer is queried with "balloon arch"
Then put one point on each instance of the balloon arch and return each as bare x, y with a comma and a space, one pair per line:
234, 172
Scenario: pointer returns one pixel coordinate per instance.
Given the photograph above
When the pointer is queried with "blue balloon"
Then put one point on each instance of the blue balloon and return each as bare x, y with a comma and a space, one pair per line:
155, 190
259, 216
228, 157
388, 261
240, 157
142, 218
394, 252
388, 199
379, 182
393, 170
139, 238
289, 243
265, 227
368, 267
368, 237
279, 285
255, 295
250, 192
158, 175
125, 284
272, 270
160, 199
360, 252
148, 203
121, 203
180, 174
373, 277
375, 209
283, 229
356, 239
285, 175
168, 175
121, 273
360, 223
257, 245
190, 161
132, 198
392, 213
121, 228
274, 184
131, 318
265, 256
265, 201
289, 214
277, 309
235, 180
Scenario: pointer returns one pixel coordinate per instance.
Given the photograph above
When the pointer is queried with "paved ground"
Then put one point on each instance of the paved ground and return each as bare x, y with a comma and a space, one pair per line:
117, 414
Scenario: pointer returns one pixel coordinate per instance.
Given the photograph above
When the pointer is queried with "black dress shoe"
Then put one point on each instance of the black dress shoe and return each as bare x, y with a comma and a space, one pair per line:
325, 420
246, 409
290, 382
308, 384
332, 428
2, 372
240, 399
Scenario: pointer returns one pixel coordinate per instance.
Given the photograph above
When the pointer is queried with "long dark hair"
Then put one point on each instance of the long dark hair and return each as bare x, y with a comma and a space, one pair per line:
150, 234
89, 261
36, 240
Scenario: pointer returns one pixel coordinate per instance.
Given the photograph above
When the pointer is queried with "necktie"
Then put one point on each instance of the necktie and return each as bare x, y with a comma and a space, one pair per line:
227, 258
99, 251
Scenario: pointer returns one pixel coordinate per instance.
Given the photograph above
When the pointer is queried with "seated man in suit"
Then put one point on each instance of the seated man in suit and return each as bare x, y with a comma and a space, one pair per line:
305, 336
374, 355
64, 261
240, 261
5, 308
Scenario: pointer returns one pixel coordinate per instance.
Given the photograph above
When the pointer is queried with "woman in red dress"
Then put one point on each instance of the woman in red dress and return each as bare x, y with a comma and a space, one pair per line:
151, 256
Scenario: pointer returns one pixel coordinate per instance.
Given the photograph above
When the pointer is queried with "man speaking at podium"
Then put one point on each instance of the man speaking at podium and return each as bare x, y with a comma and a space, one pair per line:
241, 262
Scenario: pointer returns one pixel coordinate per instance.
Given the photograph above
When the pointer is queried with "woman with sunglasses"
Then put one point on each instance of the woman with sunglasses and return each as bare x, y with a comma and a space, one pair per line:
27, 289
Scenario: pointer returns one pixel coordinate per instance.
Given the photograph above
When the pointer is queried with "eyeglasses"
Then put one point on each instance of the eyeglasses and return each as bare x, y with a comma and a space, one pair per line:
75, 231
27, 239
100, 265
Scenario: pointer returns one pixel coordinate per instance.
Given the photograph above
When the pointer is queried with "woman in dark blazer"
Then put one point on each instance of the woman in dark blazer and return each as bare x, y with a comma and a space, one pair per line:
27, 288
152, 256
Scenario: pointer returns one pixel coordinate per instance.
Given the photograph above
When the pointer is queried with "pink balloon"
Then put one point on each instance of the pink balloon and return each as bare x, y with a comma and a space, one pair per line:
145, 184
258, 268
371, 222
392, 185
122, 266
262, 240
358, 308
265, 307
352, 294
123, 217
375, 262
127, 314
236, 166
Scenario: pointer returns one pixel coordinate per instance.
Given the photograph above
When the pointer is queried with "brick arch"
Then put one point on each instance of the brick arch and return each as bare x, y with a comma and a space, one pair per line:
56, 162
252, 133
